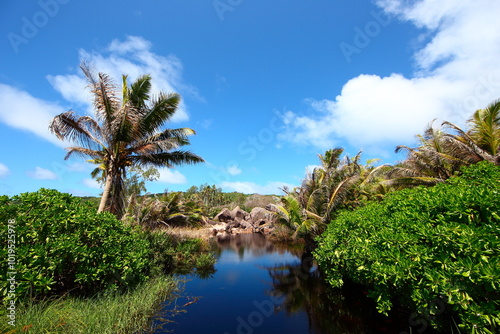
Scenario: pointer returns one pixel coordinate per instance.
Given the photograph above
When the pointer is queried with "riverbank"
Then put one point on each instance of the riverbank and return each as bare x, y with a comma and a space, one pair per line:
107, 313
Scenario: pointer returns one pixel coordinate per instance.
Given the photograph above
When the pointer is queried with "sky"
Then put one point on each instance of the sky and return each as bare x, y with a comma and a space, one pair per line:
266, 85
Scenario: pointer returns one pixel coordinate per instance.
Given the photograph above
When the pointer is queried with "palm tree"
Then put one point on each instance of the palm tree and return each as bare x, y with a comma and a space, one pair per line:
482, 140
296, 218
126, 131
440, 154
337, 183
430, 163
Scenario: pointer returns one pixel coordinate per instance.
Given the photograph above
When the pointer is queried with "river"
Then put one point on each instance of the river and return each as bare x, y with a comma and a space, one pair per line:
259, 287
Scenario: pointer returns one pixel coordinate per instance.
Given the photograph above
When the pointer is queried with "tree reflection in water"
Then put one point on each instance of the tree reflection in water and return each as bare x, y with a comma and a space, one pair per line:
302, 288
296, 288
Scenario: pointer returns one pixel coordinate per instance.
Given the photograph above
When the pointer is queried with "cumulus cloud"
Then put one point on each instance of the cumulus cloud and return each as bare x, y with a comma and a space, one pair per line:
20, 110
42, 174
171, 176
91, 183
233, 170
456, 72
4, 170
271, 188
133, 57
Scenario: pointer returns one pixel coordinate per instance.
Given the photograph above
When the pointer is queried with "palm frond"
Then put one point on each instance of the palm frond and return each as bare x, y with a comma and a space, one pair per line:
138, 93
162, 108
84, 152
68, 126
167, 159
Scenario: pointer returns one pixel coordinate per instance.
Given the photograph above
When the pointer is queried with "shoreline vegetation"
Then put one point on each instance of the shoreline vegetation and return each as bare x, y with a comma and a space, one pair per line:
106, 313
424, 229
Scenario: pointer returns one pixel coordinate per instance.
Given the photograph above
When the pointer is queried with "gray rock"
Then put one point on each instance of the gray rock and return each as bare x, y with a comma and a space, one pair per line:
261, 216
224, 216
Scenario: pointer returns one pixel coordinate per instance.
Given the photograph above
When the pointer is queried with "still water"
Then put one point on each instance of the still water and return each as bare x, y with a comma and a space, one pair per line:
259, 287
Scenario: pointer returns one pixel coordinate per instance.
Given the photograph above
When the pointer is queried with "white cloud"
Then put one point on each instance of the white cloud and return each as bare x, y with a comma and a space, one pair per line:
4, 170
233, 170
42, 174
132, 57
91, 183
20, 110
456, 73
79, 167
271, 188
172, 177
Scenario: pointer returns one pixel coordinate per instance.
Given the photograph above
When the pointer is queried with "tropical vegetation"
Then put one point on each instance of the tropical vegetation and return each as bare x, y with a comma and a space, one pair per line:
425, 244
65, 248
340, 183
442, 152
126, 131
423, 233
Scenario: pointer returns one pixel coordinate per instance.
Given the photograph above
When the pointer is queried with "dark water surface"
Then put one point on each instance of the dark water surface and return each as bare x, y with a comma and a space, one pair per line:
259, 287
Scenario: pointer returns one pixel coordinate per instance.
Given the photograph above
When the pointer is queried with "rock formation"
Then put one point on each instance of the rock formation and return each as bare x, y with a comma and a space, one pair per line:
238, 221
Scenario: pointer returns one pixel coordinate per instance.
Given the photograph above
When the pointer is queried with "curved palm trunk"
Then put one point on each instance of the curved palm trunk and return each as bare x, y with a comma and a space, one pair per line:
105, 193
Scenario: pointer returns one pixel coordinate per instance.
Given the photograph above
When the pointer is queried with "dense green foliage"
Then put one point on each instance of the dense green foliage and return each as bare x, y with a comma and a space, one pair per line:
173, 254
64, 247
424, 244
63, 244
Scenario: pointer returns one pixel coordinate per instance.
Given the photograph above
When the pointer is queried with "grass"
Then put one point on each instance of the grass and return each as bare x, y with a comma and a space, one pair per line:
190, 233
112, 313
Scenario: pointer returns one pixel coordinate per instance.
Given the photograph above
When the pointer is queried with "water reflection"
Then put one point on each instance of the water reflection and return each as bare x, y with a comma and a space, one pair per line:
262, 287
254, 243
303, 289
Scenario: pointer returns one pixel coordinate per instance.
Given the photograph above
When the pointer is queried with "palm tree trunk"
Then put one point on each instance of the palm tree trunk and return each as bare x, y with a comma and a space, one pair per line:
105, 193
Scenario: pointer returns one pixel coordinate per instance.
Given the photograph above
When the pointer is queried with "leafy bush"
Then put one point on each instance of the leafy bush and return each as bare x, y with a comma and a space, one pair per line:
174, 254
62, 244
426, 244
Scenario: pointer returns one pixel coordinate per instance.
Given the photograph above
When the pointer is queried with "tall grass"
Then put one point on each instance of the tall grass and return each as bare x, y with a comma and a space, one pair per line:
111, 313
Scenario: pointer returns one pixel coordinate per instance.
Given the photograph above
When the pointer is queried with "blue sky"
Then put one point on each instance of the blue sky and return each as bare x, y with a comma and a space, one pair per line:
267, 85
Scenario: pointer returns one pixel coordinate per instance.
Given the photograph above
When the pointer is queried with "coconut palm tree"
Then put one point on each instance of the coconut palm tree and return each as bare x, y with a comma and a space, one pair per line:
482, 140
441, 154
127, 130
430, 163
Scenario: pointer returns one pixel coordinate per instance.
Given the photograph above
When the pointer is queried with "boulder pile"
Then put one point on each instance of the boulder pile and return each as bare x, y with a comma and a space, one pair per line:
237, 221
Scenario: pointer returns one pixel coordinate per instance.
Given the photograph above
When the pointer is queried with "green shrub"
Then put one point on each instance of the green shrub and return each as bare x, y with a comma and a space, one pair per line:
426, 244
62, 244
173, 254
162, 251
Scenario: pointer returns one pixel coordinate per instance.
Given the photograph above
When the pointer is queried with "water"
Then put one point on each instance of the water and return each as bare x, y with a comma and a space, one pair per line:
259, 287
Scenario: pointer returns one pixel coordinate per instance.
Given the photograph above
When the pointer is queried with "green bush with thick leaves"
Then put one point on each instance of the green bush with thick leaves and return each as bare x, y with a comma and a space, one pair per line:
62, 244
424, 245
